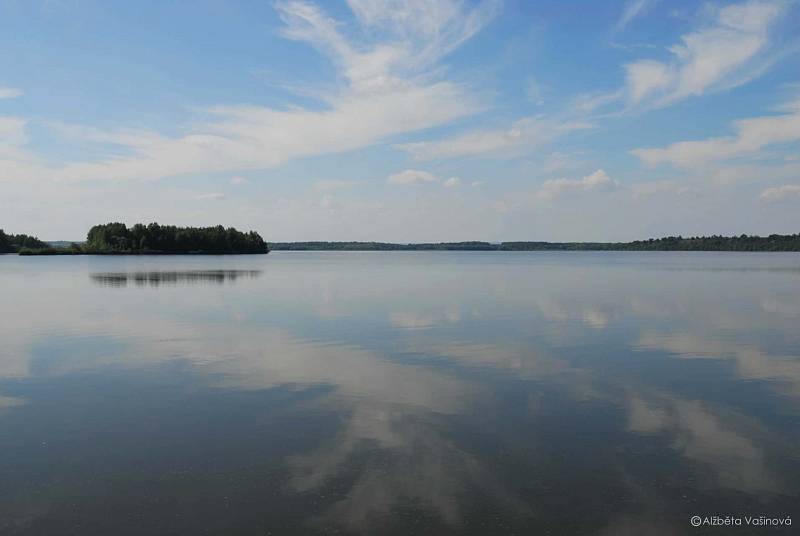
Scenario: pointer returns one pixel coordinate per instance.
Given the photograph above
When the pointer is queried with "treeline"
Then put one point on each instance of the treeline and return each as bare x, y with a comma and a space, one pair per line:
743, 242
10, 243
671, 243
155, 238
117, 238
382, 246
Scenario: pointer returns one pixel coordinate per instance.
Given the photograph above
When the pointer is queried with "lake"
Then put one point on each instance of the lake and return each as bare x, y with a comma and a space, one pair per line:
398, 393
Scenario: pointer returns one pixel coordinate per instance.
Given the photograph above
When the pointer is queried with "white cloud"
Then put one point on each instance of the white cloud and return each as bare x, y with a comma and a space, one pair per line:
239, 181
415, 176
598, 181
12, 136
389, 89
249, 137
412, 176
419, 34
646, 76
589, 102
10, 92
726, 53
427, 29
787, 191
215, 196
751, 136
632, 10
523, 134
15, 160
13, 153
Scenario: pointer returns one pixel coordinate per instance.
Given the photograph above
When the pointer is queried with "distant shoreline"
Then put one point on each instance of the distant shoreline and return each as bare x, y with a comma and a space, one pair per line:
116, 239
60, 251
772, 243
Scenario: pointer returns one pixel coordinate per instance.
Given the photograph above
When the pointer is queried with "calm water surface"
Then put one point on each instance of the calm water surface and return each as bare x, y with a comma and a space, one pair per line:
398, 393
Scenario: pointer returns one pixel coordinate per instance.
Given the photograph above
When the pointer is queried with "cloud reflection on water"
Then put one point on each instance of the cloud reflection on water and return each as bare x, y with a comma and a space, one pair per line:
592, 348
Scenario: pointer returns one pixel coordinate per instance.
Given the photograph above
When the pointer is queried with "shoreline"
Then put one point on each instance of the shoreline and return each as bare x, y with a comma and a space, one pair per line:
50, 253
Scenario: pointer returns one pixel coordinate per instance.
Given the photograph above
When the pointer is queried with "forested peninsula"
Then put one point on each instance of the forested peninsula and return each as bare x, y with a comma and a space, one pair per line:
11, 243
151, 239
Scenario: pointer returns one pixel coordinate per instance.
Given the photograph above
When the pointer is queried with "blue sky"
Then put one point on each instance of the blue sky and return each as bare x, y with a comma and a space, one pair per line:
402, 120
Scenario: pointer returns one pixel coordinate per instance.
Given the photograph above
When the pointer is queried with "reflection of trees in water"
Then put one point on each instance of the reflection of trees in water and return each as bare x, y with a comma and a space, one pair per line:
121, 279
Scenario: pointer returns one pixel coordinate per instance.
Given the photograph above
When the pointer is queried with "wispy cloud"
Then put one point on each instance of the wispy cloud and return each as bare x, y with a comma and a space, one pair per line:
249, 137
215, 196
416, 35
238, 181
725, 53
10, 92
12, 136
632, 10
427, 29
523, 134
412, 176
15, 160
389, 88
416, 176
598, 181
779, 193
751, 136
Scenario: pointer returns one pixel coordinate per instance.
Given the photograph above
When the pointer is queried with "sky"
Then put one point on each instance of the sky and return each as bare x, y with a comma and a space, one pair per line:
402, 120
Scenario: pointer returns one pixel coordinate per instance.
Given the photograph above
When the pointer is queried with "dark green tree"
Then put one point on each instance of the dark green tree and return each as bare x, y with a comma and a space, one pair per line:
10, 243
155, 238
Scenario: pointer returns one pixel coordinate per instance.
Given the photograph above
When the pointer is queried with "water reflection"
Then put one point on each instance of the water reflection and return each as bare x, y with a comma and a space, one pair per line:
751, 363
7, 402
154, 279
717, 437
380, 394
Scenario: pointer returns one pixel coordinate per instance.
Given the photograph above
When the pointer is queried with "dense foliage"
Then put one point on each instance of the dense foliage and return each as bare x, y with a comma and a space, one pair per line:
10, 243
155, 238
671, 243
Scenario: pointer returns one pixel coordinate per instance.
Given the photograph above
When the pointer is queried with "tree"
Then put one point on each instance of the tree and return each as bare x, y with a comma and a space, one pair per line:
5, 244
10, 243
155, 238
